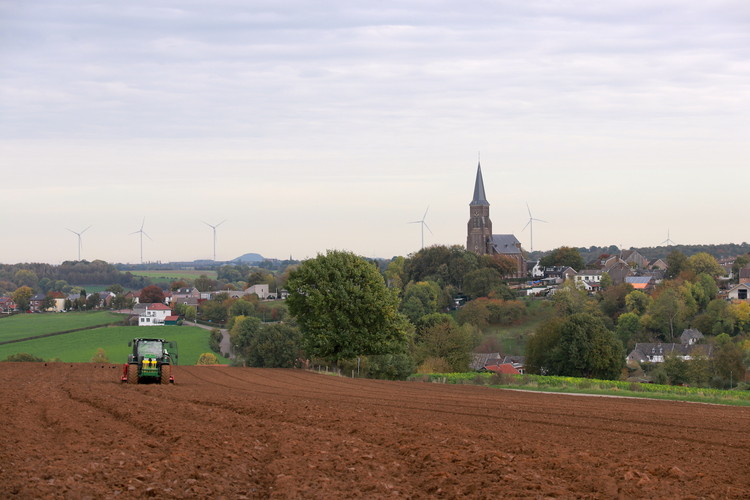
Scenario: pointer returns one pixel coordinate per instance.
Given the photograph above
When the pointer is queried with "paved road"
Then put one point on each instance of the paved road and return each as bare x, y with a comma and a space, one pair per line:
225, 346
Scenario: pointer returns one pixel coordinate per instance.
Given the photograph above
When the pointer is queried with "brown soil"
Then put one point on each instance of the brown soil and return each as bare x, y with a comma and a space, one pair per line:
74, 431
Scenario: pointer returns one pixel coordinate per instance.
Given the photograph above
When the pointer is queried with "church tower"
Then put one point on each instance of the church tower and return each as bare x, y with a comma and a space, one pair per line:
480, 226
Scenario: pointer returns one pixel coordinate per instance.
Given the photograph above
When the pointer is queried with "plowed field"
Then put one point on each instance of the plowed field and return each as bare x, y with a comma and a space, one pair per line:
74, 431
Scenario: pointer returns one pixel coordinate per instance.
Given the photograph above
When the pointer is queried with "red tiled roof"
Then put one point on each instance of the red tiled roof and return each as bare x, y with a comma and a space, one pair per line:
503, 368
157, 307
171, 318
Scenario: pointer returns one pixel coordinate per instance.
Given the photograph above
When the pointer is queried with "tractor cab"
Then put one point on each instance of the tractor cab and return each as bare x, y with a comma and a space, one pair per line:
151, 360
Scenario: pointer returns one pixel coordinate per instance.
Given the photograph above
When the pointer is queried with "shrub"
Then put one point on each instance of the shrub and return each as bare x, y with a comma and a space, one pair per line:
100, 356
23, 356
207, 358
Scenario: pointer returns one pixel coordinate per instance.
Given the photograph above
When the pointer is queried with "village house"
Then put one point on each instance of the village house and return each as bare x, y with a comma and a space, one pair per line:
739, 292
687, 349
154, 315
189, 296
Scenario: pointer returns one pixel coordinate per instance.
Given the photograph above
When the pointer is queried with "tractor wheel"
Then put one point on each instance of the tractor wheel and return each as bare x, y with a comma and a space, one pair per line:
132, 374
166, 374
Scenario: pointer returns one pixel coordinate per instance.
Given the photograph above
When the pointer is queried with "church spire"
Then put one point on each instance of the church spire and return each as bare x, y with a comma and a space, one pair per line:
479, 197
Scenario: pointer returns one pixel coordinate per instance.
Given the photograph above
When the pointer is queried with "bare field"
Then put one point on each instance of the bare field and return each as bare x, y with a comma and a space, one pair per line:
73, 431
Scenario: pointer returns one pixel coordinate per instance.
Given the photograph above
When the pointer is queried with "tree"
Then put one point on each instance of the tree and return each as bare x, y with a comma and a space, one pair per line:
628, 328
481, 282
204, 284
588, 349
48, 302
23, 357
22, 297
728, 362
344, 308
151, 294
668, 312
563, 256
419, 299
577, 346
675, 262
439, 336
637, 302
274, 346
703, 262
613, 299
117, 289
93, 301
25, 277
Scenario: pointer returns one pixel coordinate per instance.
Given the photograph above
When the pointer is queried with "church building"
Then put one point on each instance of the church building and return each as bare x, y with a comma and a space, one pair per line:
480, 239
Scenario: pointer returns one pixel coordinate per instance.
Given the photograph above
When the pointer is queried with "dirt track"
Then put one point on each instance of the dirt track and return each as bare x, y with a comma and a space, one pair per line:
73, 431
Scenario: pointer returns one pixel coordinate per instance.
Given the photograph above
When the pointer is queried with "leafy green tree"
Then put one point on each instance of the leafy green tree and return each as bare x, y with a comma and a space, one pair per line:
703, 262
577, 346
344, 308
637, 302
274, 346
676, 370
117, 289
48, 302
241, 307
395, 274
675, 263
613, 299
541, 348
628, 329
475, 312
419, 299
728, 362
93, 301
213, 310
668, 312
396, 366
441, 337
563, 256
481, 282
22, 297
26, 277
204, 284
588, 349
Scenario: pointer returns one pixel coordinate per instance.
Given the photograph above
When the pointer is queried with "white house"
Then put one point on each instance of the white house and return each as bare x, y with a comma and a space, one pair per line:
154, 315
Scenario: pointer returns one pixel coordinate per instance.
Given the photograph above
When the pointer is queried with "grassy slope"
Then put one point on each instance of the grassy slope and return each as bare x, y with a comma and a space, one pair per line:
79, 347
21, 326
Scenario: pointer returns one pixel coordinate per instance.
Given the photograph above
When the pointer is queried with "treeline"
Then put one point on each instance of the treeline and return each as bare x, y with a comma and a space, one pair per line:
47, 277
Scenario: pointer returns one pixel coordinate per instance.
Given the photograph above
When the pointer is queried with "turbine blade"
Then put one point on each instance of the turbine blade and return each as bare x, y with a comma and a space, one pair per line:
146, 235
220, 223
85, 229
540, 220
527, 225
425, 212
527, 208
428, 227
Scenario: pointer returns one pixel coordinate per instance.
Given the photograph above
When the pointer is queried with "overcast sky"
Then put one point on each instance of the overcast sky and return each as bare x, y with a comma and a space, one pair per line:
333, 124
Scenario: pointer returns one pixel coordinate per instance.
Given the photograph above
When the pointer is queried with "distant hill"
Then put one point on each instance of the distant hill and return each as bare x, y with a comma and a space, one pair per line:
249, 257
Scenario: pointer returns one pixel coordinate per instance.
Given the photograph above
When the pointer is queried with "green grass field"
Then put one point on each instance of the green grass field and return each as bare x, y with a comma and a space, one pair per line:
79, 347
22, 326
173, 275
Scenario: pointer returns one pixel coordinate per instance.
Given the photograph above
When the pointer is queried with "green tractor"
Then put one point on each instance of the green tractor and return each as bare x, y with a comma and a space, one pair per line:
150, 362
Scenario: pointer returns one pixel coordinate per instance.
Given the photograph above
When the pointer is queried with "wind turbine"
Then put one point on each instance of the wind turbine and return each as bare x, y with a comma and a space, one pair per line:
212, 226
424, 225
667, 241
530, 225
79, 239
142, 232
